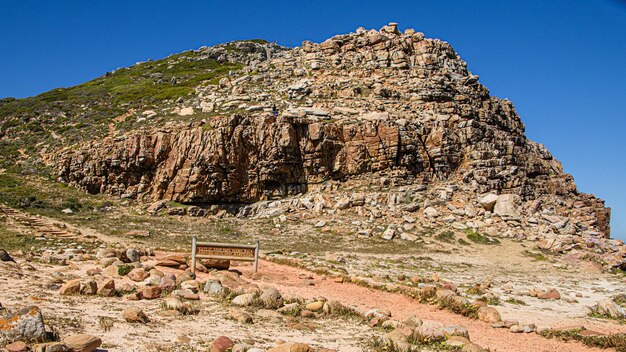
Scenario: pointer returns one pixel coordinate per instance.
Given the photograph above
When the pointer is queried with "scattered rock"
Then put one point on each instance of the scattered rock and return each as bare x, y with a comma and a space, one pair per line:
244, 300
135, 315
150, 292
489, 314
82, 343
221, 344
27, 324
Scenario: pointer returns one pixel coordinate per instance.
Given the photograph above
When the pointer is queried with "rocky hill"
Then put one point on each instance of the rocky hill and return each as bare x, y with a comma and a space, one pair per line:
394, 113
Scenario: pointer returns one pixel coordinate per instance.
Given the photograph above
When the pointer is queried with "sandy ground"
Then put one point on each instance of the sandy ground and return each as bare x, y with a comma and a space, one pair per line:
78, 314
461, 265
287, 280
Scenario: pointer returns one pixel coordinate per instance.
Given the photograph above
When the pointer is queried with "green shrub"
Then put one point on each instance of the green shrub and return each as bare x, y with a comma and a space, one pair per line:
124, 269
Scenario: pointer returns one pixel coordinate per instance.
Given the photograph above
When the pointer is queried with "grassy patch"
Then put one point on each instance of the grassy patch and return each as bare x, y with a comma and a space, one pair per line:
467, 310
476, 237
516, 301
40, 196
64, 116
617, 341
490, 300
537, 256
11, 240
446, 236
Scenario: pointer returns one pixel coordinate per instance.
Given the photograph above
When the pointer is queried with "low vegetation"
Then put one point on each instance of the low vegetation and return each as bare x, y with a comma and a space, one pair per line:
446, 236
64, 116
617, 341
476, 237
537, 256
516, 301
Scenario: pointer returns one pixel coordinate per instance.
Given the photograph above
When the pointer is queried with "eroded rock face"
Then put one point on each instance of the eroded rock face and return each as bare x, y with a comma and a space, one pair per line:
365, 102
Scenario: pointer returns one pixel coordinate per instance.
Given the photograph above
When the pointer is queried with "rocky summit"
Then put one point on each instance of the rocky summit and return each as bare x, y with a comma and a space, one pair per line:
385, 104
399, 207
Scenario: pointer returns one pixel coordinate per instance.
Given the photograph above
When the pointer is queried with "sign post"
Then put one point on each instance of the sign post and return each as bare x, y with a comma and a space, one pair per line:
224, 251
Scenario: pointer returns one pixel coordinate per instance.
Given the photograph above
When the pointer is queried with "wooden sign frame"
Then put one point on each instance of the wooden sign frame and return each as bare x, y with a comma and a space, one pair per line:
224, 251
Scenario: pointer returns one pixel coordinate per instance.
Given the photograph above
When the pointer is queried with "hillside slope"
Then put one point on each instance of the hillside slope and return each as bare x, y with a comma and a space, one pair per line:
396, 113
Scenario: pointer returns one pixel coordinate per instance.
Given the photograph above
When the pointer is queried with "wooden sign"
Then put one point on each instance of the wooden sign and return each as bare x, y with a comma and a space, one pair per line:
224, 251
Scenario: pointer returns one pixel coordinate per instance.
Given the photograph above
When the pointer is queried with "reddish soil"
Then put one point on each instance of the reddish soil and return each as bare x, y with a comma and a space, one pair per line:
288, 280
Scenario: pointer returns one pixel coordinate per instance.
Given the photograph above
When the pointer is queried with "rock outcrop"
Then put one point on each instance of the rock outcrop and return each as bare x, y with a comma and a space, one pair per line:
363, 103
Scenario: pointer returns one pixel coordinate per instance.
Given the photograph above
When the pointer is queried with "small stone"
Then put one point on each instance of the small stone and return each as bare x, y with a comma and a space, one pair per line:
244, 300
240, 317
315, 306
550, 294
186, 112
135, 315
82, 343
70, 288
150, 292
107, 288
291, 347
221, 344
133, 255
18, 346
5, 257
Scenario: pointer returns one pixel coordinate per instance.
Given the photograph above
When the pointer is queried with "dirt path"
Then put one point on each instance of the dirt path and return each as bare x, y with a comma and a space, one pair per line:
288, 280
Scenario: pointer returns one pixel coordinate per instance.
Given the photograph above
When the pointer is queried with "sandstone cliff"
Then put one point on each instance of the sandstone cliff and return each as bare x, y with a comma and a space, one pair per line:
378, 103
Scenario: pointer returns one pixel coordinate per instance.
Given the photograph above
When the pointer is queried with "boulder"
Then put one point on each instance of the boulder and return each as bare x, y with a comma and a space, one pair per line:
50, 347
215, 288
218, 264
489, 315
377, 313
609, 308
507, 205
472, 347
133, 255
240, 316
488, 201
271, 299
429, 331
185, 112
26, 324
431, 212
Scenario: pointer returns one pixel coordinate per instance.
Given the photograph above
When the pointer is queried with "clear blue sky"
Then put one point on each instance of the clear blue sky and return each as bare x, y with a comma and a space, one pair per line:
562, 62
